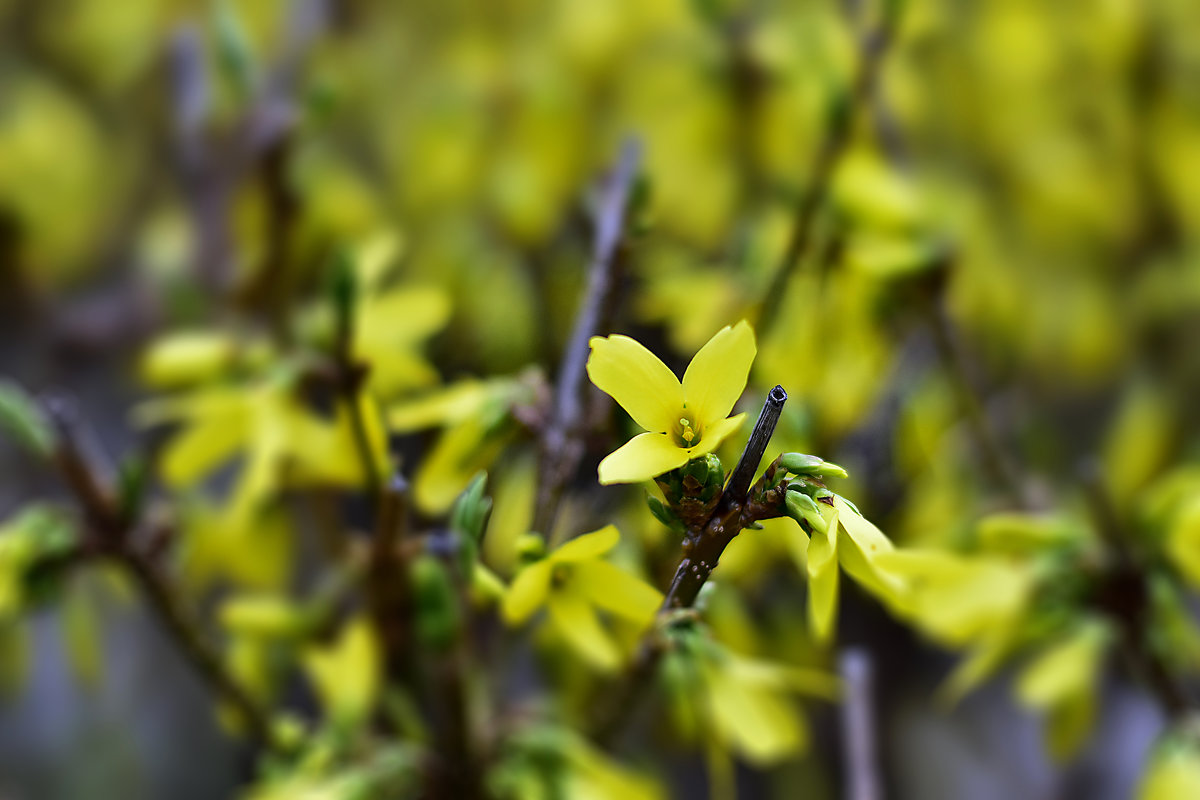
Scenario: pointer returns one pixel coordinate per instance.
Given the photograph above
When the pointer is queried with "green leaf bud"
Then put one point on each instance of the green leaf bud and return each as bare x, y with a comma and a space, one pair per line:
22, 421
436, 601
802, 508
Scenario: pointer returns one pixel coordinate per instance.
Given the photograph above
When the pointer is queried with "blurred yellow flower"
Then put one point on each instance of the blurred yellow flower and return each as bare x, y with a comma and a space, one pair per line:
684, 420
572, 582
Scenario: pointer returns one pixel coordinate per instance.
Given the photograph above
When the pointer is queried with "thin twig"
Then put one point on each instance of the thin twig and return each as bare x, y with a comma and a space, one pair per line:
871, 48
858, 727
995, 459
110, 528
561, 447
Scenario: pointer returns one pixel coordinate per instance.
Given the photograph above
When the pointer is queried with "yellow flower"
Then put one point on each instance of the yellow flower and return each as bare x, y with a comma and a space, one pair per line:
572, 582
853, 542
684, 420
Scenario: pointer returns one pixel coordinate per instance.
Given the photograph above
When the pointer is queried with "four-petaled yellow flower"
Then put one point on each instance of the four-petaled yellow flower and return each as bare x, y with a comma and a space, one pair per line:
572, 582
684, 420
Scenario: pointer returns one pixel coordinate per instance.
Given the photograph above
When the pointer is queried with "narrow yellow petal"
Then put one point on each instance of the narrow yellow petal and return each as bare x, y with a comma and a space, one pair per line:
400, 317
822, 582
759, 724
588, 545
613, 589
642, 458
717, 375
634, 377
861, 543
527, 592
576, 622
345, 673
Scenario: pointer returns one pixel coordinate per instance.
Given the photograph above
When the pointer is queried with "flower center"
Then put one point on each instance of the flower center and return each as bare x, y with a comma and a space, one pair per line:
688, 434
560, 576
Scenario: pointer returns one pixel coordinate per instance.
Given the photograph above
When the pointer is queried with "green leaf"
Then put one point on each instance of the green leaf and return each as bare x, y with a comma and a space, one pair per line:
23, 421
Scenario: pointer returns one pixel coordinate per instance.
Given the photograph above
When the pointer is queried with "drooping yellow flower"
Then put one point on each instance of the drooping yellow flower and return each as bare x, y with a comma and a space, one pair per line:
572, 582
684, 420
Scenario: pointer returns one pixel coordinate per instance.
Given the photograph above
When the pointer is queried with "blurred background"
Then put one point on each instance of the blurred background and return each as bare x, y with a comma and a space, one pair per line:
966, 231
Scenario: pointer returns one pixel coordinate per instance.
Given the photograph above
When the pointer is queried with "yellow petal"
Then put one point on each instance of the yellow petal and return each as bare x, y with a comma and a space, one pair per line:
448, 404
576, 622
860, 543
714, 434
186, 357
717, 375
761, 725
345, 673
644, 457
615, 590
1174, 772
596, 777
528, 591
400, 317
1069, 666
202, 447
822, 582
587, 546
634, 377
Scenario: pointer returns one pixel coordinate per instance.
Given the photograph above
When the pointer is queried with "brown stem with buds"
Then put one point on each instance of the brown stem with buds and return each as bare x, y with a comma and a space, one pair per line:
741, 506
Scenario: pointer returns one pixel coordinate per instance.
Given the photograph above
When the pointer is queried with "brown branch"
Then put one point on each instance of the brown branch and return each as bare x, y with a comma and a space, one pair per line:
111, 529
388, 584
871, 49
561, 446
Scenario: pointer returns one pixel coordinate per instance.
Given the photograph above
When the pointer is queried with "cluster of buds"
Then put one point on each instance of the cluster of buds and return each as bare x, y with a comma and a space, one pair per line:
806, 487
691, 492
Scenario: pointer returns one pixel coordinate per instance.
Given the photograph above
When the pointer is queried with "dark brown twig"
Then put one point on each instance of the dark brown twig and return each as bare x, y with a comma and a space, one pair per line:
561, 446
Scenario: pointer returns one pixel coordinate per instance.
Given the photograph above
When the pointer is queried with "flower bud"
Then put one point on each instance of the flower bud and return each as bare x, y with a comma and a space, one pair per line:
692, 491
804, 464
803, 508
663, 514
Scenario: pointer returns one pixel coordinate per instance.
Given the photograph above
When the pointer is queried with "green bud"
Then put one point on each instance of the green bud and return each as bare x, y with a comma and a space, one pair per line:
472, 508
804, 464
438, 615
707, 471
803, 508
22, 420
800, 463
663, 514
692, 491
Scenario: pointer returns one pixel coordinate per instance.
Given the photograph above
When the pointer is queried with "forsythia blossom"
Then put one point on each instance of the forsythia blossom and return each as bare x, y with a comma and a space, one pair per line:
572, 582
684, 420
